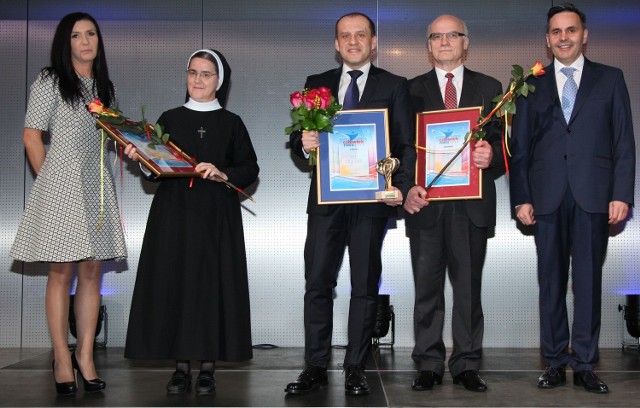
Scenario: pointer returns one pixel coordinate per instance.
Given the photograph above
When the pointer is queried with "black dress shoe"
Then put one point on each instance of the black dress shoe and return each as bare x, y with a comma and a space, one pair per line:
89, 385
552, 377
65, 388
355, 382
205, 383
425, 380
471, 380
309, 379
590, 381
179, 383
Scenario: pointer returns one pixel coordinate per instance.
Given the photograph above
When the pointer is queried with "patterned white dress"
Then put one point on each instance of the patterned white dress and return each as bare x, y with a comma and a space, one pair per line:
61, 222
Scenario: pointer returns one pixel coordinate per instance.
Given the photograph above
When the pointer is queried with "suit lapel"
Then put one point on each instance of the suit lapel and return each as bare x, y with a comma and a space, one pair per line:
433, 97
547, 86
370, 87
335, 82
587, 81
469, 88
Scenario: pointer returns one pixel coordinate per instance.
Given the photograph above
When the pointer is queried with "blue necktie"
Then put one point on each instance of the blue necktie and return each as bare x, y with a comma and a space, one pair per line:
569, 92
352, 97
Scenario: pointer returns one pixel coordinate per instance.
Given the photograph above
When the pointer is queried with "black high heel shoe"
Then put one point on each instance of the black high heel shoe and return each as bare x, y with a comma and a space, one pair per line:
89, 385
65, 388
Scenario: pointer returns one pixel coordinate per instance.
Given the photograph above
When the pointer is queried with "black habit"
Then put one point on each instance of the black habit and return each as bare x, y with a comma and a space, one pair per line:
191, 297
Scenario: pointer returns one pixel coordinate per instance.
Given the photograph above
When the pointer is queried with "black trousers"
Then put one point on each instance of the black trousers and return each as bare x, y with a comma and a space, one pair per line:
327, 236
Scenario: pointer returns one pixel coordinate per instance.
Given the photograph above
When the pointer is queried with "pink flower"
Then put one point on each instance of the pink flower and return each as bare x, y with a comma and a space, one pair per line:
296, 99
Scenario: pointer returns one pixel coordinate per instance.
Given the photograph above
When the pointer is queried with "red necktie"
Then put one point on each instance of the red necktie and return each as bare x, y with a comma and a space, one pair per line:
450, 95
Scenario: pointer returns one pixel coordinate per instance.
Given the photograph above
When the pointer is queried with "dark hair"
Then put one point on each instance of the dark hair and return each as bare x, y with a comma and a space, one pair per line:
372, 26
62, 66
222, 93
566, 7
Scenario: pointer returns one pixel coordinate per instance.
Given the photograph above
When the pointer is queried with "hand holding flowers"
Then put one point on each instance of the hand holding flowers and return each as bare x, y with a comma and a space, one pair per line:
312, 109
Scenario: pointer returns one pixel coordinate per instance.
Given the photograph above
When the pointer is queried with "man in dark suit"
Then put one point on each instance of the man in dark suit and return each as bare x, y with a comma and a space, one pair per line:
361, 227
452, 234
572, 174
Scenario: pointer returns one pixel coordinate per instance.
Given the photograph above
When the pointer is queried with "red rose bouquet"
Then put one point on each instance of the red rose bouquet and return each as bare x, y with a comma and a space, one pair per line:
313, 109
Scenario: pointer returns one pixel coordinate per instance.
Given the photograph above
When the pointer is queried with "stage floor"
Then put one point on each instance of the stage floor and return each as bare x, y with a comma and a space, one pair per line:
26, 380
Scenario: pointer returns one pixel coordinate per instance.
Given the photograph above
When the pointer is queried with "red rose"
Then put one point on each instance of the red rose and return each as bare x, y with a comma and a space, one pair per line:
312, 99
325, 97
296, 99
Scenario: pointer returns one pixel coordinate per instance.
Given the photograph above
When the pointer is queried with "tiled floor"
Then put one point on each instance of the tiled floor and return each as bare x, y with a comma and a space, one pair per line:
26, 380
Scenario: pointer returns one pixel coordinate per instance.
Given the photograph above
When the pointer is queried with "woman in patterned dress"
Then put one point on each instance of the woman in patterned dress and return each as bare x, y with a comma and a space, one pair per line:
71, 218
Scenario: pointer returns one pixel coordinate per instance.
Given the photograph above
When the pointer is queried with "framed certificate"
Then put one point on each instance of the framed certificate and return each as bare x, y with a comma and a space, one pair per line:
164, 160
347, 157
439, 136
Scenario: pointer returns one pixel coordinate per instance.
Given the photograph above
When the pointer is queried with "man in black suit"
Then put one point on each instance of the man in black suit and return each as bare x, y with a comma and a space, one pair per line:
452, 234
361, 227
572, 174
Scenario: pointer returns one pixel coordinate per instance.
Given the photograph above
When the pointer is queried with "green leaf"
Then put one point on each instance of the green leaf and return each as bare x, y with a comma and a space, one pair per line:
518, 71
322, 121
308, 124
532, 88
512, 108
480, 134
524, 91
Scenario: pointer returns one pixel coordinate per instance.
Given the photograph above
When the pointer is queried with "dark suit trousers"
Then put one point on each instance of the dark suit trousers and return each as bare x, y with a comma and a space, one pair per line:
327, 236
453, 243
570, 234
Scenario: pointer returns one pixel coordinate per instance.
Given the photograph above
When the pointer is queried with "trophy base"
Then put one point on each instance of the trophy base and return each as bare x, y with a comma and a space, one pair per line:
387, 195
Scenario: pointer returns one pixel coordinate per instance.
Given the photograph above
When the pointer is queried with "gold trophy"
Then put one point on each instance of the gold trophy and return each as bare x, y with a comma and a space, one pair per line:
387, 167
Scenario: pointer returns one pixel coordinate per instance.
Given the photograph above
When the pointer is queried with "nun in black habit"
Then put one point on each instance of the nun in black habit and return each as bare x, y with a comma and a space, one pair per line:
191, 297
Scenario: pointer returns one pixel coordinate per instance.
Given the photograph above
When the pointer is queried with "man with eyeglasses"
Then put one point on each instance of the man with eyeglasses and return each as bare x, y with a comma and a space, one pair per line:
452, 235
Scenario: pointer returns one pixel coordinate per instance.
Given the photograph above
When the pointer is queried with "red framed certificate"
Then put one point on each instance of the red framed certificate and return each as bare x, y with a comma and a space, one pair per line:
441, 136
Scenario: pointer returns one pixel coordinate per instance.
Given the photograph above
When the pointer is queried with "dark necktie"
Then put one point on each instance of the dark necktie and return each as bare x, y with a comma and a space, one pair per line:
352, 97
450, 95
569, 92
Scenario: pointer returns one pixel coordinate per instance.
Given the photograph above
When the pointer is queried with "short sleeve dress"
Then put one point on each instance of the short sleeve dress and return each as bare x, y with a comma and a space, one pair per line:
72, 211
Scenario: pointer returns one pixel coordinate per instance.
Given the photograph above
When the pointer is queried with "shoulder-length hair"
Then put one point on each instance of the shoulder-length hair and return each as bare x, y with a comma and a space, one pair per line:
62, 66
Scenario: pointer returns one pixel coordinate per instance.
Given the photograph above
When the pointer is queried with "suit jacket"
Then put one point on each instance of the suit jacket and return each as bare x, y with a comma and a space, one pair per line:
382, 90
477, 90
593, 154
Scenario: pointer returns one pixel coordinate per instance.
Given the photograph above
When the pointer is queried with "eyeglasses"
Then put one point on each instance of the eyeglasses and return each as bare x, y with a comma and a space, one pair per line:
205, 75
453, 35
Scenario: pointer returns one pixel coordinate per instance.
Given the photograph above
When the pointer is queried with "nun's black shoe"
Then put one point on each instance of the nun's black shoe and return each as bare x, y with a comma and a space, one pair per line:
205, 383
179, 383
